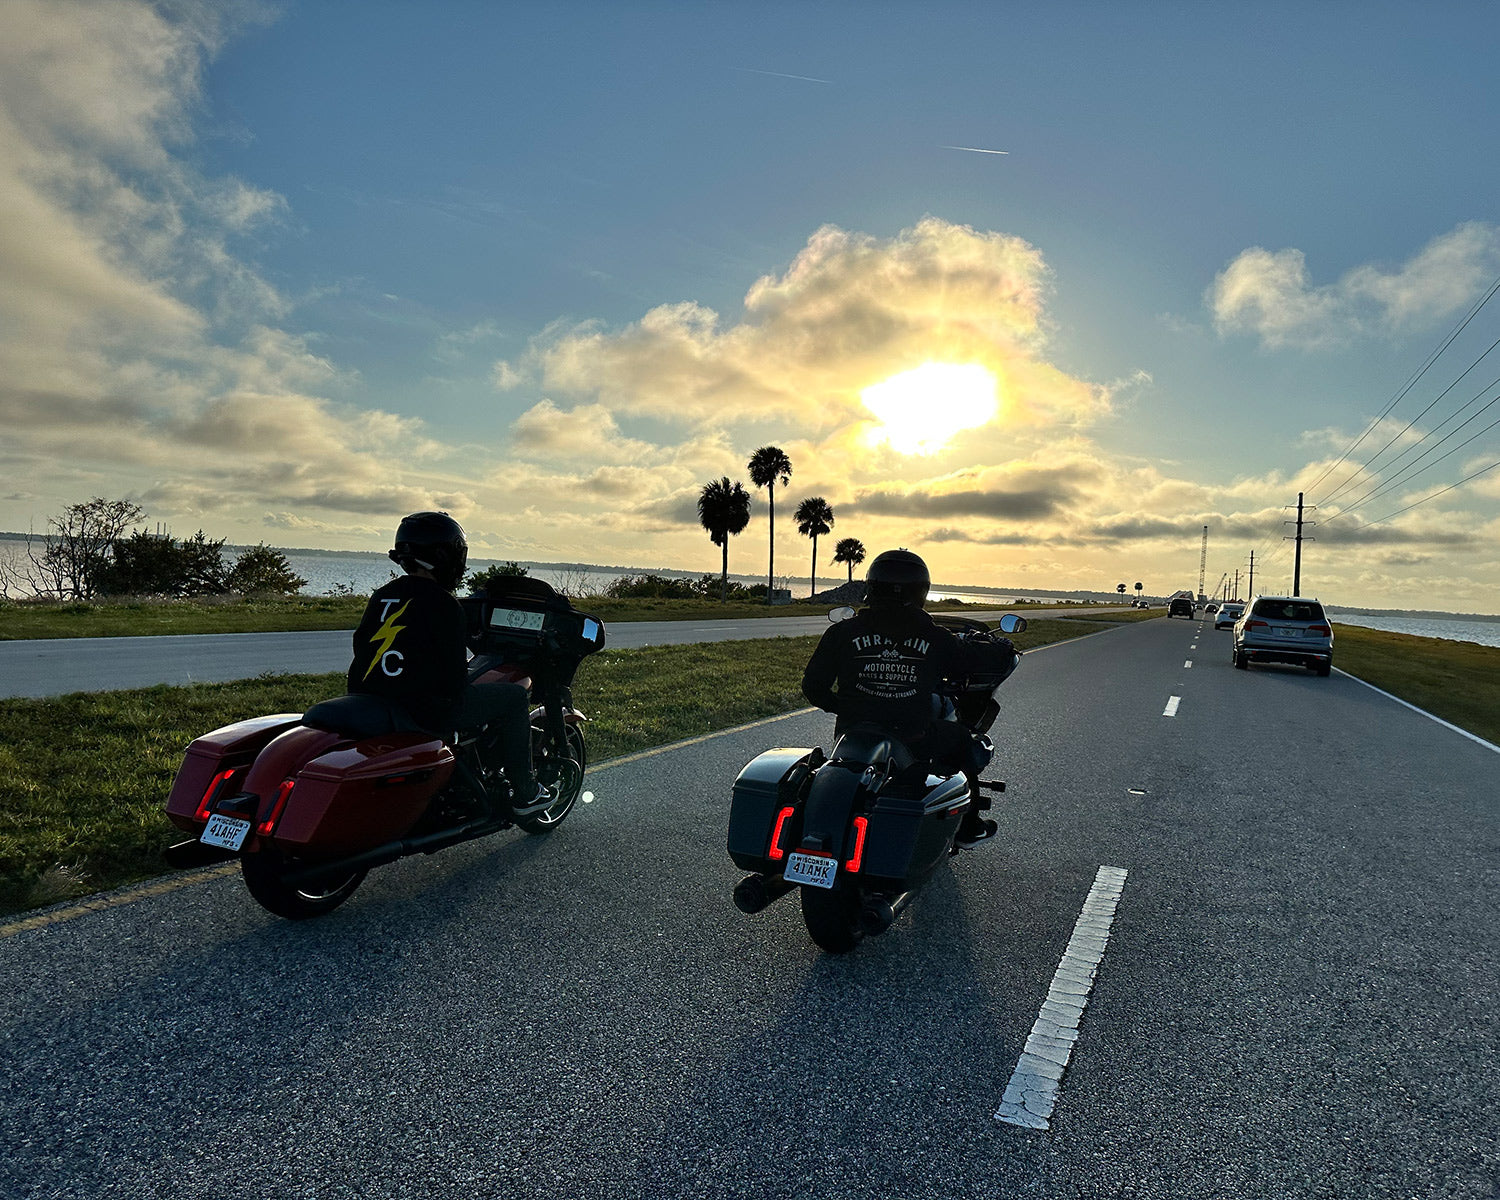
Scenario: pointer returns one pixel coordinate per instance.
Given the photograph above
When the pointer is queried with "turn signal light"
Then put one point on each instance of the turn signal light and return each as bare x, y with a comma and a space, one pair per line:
777, 853
206, 805
861, 825
278, 808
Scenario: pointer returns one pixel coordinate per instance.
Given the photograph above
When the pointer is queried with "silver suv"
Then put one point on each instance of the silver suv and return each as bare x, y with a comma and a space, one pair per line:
1284, 629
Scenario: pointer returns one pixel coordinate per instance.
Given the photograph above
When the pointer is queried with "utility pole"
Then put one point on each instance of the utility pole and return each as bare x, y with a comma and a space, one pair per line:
1297, 561
1250, 588
1202, 565
1236, 583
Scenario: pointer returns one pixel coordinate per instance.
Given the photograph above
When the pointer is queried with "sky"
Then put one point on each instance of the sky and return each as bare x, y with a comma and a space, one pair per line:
1038, 290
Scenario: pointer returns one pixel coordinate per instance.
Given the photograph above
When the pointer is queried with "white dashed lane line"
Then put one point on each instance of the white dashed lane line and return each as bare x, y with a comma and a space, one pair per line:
1032, 1091
1171, 709
1188, 663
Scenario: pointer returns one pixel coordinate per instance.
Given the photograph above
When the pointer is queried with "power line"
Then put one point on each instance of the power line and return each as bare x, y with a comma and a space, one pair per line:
1435, 495
1395, 437
1410, 383
1407, 474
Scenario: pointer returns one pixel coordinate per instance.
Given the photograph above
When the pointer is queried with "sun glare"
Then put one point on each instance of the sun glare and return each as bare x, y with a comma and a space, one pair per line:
922, 410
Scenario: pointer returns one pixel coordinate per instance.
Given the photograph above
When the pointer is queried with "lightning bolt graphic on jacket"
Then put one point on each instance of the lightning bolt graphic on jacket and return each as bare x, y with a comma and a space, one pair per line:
384, 638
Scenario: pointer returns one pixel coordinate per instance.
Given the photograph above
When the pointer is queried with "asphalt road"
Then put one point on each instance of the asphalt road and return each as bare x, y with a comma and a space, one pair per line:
1297, 998
57, 666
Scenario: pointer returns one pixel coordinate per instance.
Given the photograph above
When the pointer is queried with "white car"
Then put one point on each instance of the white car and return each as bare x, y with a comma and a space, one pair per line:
1228, 615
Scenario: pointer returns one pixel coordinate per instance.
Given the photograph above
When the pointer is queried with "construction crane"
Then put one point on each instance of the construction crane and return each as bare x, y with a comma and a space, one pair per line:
1203, 566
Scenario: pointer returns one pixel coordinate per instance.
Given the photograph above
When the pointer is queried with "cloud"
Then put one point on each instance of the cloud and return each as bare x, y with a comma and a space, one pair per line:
851, 310
1270, 293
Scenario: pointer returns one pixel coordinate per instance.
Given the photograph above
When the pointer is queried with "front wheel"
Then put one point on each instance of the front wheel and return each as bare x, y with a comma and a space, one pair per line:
265, 872
832, 918
564, 775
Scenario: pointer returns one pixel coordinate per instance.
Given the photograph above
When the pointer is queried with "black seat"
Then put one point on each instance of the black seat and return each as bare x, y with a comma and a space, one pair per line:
861, 744
360, 716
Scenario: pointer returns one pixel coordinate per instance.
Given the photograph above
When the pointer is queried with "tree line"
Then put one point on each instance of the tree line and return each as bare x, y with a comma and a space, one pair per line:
91, 550
724, 510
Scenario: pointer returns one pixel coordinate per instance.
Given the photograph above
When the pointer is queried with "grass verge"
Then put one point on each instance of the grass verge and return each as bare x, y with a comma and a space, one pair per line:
84, 778
1458, 681
139, 618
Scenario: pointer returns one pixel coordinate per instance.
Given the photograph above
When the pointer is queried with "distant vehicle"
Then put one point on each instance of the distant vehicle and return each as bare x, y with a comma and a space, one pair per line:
1284, 629
1211, 608
1228, 615
1180, 606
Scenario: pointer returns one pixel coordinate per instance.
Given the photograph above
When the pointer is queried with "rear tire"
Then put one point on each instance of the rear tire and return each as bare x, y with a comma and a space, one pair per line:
264, 872
1241, 662
1325, 669
568, 785
832, 918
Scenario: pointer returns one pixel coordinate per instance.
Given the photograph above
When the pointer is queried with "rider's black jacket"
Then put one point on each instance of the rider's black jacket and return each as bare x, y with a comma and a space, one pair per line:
882, 666
410, 647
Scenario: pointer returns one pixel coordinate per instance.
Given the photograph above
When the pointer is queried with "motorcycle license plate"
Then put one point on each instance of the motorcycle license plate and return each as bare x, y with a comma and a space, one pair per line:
228, 833
816, 870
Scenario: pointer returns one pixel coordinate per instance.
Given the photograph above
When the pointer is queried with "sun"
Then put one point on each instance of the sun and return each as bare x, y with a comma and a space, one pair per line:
922, 410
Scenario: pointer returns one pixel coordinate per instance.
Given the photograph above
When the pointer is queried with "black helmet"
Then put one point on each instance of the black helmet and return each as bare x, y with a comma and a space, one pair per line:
898, 577
433, 540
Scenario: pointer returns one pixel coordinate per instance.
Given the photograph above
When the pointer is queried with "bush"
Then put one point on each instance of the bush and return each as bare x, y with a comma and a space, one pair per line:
479, 580
150, 564
263, 571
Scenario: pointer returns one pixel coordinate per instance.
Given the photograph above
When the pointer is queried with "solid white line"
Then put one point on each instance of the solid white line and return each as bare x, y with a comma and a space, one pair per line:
1473, 737
1171, 709
1031, 1093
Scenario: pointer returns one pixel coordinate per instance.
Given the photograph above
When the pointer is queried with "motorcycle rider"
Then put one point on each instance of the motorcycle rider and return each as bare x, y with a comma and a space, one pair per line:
411, 648
883, 667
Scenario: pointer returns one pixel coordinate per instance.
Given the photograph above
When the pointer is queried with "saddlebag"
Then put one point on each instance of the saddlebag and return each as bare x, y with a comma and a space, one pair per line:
769, 782
357, 797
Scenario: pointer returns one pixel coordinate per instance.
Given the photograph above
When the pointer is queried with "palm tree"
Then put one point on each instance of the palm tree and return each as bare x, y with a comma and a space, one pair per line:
1138, 586
814, 518
768, 466
850, 551
723, 510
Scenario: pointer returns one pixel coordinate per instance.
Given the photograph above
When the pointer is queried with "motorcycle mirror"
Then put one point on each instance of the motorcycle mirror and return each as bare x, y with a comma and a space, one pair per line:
1010, 623
840, 614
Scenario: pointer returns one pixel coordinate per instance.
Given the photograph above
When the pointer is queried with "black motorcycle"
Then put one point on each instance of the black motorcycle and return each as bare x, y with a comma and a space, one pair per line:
862, 829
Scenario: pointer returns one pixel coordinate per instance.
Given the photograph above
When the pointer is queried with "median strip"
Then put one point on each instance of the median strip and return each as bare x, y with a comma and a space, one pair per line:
1031, 1094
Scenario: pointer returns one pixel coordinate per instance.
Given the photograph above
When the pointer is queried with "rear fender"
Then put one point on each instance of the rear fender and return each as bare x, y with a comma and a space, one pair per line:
830, 804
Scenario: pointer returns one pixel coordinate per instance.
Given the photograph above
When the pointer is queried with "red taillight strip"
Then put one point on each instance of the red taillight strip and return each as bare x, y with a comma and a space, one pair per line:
861, 824
205, 806
776, 853
282, 797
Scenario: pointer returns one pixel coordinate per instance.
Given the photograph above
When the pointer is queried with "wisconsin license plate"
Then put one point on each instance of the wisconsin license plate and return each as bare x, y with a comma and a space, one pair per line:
816, 870
228, 833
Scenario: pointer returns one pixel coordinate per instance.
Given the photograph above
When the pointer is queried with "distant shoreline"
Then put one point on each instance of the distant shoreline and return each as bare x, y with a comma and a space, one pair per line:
293, 552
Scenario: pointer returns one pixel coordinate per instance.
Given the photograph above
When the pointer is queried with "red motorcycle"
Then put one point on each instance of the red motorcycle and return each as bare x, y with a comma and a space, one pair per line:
310, 803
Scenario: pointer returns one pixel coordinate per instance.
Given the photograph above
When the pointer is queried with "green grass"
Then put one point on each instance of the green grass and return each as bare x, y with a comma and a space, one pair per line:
1458, 681
137, 618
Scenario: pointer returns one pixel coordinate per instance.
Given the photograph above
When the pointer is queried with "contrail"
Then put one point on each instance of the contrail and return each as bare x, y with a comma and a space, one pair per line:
782, 75
975, 150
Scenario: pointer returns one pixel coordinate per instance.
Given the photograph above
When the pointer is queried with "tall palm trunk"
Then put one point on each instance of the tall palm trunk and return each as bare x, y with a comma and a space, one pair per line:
724, 575
814, 591
771, 560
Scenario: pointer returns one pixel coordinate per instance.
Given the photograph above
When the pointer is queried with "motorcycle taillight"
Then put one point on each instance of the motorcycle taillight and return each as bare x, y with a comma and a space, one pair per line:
861, 825
282, 796
776, 853
211, 792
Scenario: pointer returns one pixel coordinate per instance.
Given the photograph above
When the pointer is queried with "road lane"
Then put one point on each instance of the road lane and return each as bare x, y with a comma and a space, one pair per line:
56, 666
1297, 998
